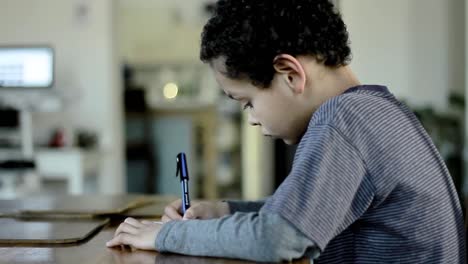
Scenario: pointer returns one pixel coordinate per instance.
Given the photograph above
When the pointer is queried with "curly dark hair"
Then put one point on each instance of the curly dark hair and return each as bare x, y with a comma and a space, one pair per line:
249, 34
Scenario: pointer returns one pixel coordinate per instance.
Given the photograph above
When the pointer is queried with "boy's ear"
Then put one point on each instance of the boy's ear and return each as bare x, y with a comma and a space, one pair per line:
292, 70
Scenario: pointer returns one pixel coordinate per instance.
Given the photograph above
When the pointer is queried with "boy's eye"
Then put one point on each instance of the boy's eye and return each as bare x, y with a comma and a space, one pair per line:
248, 105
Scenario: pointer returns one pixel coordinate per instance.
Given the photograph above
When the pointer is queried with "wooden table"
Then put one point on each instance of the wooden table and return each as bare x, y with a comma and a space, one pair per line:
94, 251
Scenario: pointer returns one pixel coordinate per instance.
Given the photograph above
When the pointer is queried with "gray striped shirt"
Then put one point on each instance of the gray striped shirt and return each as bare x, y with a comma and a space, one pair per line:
369, 186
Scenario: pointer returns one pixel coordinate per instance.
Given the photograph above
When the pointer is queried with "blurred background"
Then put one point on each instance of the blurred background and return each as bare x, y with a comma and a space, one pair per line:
124, 92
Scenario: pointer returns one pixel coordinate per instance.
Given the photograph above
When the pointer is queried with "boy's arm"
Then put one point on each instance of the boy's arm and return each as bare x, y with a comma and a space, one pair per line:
250, 236
245, 206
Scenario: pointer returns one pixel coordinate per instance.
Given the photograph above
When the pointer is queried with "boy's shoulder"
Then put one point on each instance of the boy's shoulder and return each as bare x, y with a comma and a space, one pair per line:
356, 105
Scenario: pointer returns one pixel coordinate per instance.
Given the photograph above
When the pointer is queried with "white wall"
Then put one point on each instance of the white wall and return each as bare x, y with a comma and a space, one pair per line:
87, 69
160, 31
416, 47
257, 162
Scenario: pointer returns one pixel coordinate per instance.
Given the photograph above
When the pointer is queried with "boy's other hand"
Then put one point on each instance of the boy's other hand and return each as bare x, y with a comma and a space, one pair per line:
171, 212
207, 210
137, 234
198, 210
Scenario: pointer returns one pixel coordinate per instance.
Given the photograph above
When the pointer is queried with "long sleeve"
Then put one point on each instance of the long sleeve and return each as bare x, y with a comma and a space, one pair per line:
250, 236
245, 206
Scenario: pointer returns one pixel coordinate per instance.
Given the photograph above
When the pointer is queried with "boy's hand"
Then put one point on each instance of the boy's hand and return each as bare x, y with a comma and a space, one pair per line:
140, 235
198, 210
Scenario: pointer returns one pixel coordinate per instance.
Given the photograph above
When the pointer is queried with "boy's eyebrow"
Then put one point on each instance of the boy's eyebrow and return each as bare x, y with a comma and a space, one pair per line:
230, 96
240, 98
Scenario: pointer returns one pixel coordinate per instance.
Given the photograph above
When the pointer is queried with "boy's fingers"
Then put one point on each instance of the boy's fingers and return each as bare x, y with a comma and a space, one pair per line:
125, 228
190, 214
165, 219
172, 213
147, 222
199, 211
133, 222
121, 239
176, 204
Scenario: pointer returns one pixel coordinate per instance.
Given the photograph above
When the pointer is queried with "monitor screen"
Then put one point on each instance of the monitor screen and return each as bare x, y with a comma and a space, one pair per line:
28, 67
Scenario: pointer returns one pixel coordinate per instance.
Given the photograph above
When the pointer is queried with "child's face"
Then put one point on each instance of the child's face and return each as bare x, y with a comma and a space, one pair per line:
276, 109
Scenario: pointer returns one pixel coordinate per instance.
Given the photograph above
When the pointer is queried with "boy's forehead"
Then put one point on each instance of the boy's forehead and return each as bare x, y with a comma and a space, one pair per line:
229, 86
236, 92
224, 84
230, 92
219, 64
233, 88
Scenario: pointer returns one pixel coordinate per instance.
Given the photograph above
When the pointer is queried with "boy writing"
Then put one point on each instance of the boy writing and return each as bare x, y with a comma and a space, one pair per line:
367, 184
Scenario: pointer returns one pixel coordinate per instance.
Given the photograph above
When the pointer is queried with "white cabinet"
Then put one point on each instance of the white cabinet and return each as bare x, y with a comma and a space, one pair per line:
70, 164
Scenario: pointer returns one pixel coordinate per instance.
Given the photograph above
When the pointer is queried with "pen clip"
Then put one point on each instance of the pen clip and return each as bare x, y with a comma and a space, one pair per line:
178, 166
182, 170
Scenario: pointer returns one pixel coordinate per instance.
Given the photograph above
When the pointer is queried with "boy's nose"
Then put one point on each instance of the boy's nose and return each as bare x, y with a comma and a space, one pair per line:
253, 121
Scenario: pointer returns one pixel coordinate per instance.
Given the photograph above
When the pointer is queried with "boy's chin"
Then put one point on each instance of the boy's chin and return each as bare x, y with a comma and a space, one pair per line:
285, 140
290, 141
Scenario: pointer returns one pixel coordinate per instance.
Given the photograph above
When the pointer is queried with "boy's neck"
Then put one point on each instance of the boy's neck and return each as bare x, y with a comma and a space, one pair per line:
336, 81
326, 83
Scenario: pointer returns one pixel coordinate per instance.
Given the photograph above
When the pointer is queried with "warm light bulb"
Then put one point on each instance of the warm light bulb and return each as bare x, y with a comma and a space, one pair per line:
170, 91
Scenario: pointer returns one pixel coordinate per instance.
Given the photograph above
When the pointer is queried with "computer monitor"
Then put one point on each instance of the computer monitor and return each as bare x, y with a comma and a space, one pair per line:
9, 118
26, 67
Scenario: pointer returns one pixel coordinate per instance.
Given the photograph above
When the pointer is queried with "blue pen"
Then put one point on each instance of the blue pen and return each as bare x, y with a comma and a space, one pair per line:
184, 177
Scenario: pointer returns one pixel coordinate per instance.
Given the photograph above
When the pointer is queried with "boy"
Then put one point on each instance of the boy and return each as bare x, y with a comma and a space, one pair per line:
367, 184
